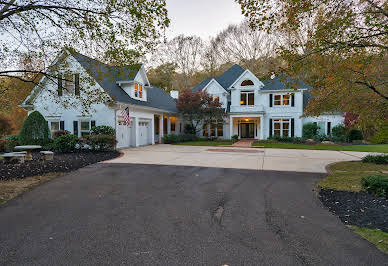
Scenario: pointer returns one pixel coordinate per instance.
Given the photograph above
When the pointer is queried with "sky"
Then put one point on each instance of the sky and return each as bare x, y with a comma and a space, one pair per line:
204, 18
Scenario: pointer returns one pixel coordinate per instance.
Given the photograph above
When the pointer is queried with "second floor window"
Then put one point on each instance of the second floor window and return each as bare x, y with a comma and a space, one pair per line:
282, 100
138, 91
247, 98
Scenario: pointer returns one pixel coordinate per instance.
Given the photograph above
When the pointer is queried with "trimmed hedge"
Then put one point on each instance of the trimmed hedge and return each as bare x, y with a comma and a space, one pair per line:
101, 142
339, 133
376, 184
102, 130
377, 159
35, 130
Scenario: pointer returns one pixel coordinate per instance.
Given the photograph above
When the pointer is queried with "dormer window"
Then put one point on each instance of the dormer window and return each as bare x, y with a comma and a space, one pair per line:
138, 90
247, 82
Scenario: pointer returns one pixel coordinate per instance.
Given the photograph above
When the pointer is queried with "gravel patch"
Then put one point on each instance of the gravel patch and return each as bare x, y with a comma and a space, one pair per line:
357, 208
63, 162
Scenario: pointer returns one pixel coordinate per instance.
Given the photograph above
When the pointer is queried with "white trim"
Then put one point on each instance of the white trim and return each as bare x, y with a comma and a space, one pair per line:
213, 79
260, 83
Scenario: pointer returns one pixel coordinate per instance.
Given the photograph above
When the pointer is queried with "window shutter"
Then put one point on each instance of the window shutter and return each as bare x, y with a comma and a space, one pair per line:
59, 84
62, 125
270, 127
76, 84
92, 124
292, 127
293, 99
328, 128
270, 101
75, 128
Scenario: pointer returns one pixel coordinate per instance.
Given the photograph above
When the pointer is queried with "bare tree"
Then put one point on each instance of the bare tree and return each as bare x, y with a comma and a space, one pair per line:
186, 52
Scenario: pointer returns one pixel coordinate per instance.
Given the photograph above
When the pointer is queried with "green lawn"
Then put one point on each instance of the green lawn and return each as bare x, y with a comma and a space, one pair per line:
206, 143
366, 148
347, 175
375, 236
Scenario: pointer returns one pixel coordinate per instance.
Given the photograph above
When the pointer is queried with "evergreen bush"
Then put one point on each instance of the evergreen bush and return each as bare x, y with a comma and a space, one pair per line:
381, 137
339, 133
66, 143
310, 130
376, 184
35, 130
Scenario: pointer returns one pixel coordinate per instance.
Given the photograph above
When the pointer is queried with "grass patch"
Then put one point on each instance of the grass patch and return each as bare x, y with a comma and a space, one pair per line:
333, 147
346, 176
375, 236
12, 188
205, 143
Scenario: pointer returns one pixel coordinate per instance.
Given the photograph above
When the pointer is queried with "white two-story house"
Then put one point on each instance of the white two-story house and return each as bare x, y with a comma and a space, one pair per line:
260, 109
81, 92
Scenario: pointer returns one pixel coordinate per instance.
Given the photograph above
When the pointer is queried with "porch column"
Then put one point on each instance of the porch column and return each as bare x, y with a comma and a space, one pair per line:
230, 127
161, 128
168, 125
153, 130
261, 128
137, 141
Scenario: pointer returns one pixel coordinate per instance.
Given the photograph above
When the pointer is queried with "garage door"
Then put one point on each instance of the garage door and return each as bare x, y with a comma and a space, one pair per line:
144, 132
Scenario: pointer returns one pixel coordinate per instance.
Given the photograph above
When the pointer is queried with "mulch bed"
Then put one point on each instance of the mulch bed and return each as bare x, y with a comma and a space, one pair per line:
63, 162
357, 208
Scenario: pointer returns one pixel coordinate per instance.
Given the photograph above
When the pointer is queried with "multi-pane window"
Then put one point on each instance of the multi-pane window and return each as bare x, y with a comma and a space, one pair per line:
205, 130
213, 129
85, 128
282, 100
138, 90
54, 127
247, 98
220, 129
281, 127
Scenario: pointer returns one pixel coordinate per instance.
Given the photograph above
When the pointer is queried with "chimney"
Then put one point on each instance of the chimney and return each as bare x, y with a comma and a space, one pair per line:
174, 94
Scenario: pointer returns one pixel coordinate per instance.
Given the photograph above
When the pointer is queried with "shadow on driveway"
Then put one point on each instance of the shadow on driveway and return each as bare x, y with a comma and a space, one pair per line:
177, 215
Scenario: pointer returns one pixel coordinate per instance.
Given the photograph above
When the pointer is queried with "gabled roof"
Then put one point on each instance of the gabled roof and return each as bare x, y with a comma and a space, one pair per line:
225, 80
230, 76
202, 85
107, 76
282, 82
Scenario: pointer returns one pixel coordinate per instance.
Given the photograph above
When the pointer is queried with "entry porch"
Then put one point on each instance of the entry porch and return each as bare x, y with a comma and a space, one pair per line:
246, 127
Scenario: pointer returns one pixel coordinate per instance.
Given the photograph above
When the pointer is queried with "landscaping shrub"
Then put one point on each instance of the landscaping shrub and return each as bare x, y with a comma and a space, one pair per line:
49, 146
5, 126
376, 184
102, 130
377, 159
310, 130
3, 145
172, 138
235, 137
354, 134
11, 142
381, 137
35, 130
339, 133
189, 129
101, 142
65, 143
296, 140
60, 133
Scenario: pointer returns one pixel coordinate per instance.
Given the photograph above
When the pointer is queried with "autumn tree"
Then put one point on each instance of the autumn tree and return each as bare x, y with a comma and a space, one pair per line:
114, 31
338, 47
199, 108
163, 76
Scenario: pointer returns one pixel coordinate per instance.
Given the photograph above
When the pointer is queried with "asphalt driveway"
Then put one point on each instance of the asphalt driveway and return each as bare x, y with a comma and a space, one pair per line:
143, 214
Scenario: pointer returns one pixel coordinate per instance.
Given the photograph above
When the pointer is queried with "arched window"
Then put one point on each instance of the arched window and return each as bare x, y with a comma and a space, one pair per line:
247, 82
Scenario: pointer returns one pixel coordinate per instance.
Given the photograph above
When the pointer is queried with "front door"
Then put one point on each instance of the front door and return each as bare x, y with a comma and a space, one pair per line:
247, 130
